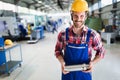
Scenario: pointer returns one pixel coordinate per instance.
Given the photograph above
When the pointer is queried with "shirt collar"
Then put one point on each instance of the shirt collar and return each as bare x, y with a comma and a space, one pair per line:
85, 28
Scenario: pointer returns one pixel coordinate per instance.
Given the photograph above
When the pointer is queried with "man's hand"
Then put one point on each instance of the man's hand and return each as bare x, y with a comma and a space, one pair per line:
90, 68
63, 67
96, 59
62, 62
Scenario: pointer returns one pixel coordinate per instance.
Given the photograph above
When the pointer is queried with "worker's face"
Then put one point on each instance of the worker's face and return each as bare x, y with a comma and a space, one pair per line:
78, 18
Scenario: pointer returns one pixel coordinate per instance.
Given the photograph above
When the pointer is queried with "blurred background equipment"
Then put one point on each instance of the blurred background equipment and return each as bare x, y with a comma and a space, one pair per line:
94, 23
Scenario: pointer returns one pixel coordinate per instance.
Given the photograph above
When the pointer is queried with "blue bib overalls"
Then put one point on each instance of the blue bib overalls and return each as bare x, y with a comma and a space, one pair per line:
76, 54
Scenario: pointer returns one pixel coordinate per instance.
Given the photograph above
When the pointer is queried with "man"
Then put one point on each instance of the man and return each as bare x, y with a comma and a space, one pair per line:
74, 46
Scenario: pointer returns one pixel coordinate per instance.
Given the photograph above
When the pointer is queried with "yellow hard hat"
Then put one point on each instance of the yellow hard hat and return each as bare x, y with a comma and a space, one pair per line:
8, 42
79, 6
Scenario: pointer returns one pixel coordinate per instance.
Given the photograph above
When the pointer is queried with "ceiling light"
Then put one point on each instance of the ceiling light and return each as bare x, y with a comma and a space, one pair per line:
47, 6
39, 1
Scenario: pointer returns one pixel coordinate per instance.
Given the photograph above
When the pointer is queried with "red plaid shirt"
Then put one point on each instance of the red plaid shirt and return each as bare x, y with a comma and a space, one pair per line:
94, 41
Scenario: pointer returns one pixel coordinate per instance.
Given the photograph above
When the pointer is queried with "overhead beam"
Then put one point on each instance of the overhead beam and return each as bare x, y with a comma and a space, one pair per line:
16, 2
114, 11
35, 2
99, 6
60, 4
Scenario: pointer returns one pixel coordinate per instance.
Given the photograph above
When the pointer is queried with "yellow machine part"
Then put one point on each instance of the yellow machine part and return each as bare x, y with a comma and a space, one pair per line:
29, 29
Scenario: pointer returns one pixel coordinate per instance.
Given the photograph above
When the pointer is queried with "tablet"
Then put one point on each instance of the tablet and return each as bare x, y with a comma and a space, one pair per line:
80, 67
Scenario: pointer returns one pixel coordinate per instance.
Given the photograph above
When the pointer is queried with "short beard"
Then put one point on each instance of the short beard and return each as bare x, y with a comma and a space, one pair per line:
82, 23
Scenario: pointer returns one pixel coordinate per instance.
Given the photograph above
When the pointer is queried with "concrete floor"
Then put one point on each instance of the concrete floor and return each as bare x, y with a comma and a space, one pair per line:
39, 62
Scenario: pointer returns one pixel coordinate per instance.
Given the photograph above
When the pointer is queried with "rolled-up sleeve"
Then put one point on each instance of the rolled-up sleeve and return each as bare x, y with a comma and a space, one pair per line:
59, 45
98, 45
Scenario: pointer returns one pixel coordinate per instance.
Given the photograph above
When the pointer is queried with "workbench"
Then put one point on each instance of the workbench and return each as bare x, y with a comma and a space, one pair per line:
7, 66
108, 36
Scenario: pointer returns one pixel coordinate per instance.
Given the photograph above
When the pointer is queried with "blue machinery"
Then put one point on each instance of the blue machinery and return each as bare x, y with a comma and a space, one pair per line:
37, 33
7, 66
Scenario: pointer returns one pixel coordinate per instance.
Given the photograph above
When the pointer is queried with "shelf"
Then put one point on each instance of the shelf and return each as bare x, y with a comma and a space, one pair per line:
11, 66
8, 66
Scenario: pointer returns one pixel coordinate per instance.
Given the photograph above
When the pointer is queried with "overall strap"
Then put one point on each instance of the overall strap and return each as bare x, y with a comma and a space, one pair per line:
67, 36
88, 35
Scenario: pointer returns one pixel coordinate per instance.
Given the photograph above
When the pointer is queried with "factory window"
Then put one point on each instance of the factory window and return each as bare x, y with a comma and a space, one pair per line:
118, 0
95, 6
0, 5
19, 9
7, 6
106, 2
22, 9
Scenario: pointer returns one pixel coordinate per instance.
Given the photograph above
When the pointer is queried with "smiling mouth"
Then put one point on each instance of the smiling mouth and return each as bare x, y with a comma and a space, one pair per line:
78, 21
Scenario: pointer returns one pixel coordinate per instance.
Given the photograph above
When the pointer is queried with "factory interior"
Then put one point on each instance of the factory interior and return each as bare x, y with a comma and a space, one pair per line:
29, 31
